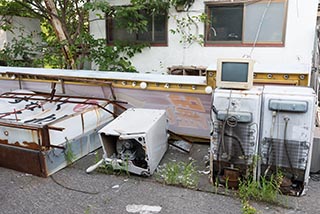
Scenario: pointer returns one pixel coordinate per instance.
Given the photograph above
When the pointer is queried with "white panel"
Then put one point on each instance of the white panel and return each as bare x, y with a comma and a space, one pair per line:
108, 75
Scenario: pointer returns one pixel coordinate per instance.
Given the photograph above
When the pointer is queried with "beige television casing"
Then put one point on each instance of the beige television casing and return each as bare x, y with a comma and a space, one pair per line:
233, 84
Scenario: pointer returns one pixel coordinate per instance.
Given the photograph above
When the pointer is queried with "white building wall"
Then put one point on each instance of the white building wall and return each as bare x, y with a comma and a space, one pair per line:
21, 26
3, 38
97, 25
295, 56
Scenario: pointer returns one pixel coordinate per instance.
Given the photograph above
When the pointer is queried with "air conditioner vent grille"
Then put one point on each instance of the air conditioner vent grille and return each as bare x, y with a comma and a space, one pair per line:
277, 152
238, 145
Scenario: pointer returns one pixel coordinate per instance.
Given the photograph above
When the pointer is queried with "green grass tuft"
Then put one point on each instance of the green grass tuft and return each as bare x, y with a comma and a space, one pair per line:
179, 173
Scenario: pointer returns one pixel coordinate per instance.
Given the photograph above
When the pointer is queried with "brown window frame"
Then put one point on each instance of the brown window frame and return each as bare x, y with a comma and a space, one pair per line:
242, 43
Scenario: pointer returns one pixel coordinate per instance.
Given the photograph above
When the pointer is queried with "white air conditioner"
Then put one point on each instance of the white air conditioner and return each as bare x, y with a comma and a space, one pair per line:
288, 120
136, 140
235, 132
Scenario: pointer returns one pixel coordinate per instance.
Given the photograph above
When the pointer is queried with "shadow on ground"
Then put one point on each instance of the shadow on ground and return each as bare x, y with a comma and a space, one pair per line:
200, 156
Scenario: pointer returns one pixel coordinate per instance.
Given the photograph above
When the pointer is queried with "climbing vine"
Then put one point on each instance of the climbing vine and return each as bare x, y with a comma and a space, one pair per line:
182, 5
188, 29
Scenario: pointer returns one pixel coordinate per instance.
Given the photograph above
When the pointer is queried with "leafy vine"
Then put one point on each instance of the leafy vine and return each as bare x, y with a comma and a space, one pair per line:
188, 29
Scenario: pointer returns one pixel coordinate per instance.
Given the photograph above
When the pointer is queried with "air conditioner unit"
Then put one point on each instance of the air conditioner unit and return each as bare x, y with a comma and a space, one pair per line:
288, 121
235, 132
136, 140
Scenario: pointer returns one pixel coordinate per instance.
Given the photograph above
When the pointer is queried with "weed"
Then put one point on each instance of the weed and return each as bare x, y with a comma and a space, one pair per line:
105, 168
115, 169
227, 185
267, 190
247, 208
216, 185
125, 166
87, 210
253, 165
107, 200
97, 157
68, 153
179, 173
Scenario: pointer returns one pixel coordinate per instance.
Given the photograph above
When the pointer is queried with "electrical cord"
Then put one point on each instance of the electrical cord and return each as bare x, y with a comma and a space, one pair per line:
225, 122
232, 121
237, 139
72, 189
221, 138
222, 134
315, 176
259, 27
212, 110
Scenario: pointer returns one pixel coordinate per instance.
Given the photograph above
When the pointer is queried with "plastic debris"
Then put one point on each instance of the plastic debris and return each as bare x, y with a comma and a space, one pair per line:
181, 145
142, 209
204, 172
115, 186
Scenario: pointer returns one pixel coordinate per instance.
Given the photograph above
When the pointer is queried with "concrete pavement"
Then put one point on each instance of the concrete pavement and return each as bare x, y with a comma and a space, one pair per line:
79, 192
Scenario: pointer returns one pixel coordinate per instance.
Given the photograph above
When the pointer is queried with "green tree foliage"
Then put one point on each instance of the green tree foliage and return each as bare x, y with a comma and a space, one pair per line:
74, 17
22, 52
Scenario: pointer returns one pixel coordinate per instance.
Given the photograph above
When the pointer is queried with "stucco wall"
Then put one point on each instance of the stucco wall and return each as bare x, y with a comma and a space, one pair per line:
295, 56
21, 26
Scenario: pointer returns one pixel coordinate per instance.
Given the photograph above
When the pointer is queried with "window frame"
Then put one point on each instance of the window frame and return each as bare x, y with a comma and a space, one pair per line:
109, 28
242, 43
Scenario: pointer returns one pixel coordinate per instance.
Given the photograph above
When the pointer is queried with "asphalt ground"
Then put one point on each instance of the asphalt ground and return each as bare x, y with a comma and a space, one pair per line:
71, 190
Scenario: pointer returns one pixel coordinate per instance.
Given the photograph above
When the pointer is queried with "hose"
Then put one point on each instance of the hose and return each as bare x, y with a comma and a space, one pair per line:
286, 120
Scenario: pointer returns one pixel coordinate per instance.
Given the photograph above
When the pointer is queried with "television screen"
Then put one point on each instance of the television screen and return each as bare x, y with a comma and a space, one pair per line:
234, 71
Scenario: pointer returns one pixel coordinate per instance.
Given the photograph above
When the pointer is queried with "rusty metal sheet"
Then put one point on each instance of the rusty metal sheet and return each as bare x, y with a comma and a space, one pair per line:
20, 137
188, 114
23, 160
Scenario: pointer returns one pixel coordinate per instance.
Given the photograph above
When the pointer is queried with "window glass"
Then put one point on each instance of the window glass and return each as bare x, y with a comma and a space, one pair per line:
226, 23
116, 33
272, 24
160, 29
147, 35
242, 23
156, 31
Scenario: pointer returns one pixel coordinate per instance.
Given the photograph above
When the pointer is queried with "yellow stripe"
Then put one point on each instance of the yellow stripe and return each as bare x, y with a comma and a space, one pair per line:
299, 79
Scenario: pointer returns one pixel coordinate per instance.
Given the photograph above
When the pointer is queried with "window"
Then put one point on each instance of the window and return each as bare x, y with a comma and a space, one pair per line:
155, 35
257, 23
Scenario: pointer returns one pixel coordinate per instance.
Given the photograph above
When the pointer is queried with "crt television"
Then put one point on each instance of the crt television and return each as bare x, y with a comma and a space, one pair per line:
234, 73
